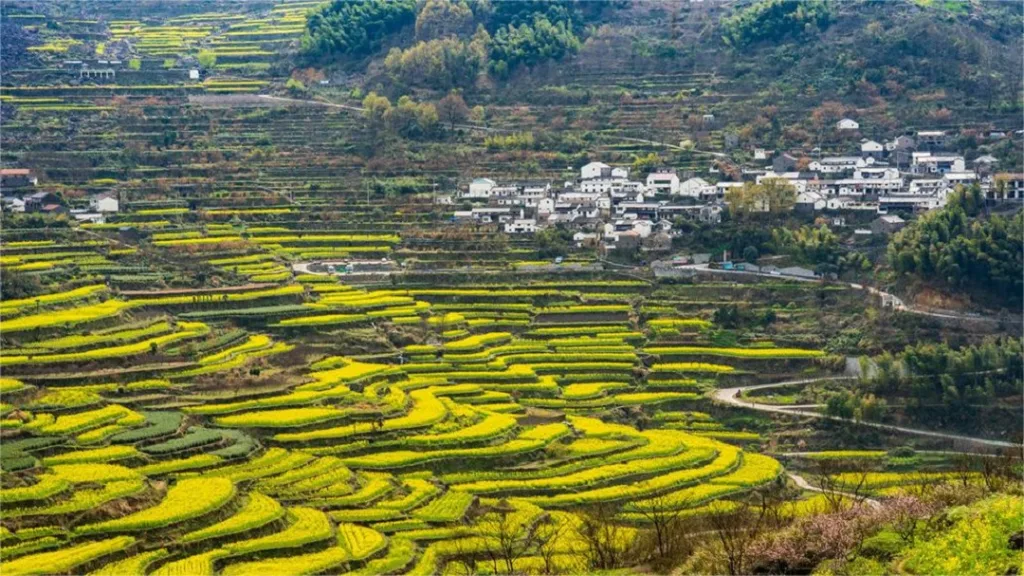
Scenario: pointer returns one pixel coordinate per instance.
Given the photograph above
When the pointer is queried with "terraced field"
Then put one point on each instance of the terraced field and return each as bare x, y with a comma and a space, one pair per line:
196, 385
243, 439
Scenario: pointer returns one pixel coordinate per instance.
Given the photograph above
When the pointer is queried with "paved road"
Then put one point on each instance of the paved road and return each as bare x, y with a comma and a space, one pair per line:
895, 301
731, 396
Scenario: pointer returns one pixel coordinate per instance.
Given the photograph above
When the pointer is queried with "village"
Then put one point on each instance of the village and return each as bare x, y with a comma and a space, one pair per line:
609, 207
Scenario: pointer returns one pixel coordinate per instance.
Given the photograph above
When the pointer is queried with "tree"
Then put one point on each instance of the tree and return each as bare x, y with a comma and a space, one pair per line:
605, 542
16, 285
442, 18
552, 242
840, 492
452, 109
773, 196
750, 253
530, 44
442, 63
375, 108
207, 58
736, 530
728, 316
646, 163
508, 537
775, 20
669, 541
354, 26
983, 257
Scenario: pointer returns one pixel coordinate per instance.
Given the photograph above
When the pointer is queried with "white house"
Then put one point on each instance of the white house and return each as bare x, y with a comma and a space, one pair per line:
860, 186
643, 227
14, 204
871, 148
960, 178
546, 206
581, 238
521, 226
835, 164
985, 162
902, 142
480, 188
847, 124
105, 202
595, 170
722, 187
695, 188
620, 172
600, 185
881, 172
810, 201
928, 163
936, 138
663, 181
193, 74
926, 186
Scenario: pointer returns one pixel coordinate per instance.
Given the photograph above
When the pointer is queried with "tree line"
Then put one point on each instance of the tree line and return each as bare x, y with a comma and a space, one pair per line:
456, 40
957, 248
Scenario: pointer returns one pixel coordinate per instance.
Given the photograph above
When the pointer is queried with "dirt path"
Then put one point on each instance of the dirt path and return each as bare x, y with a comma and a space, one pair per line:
805, 485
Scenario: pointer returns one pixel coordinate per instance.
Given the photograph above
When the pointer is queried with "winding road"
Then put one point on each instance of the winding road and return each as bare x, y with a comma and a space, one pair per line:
731, 396
894, 302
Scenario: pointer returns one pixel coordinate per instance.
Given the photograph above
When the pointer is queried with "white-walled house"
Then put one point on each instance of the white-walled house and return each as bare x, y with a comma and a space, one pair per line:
663, 181
521, 226
643, 227
836, 164
545, 206
595, 170
105, 202
871, 148
723, 187
926, 186
928, 163
14, 204
480, 188
696, 187
847, 124
620, 172
810, 201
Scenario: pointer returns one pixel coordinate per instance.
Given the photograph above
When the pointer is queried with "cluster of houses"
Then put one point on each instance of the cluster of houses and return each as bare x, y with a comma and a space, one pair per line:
906, 174
18, 194
603, 204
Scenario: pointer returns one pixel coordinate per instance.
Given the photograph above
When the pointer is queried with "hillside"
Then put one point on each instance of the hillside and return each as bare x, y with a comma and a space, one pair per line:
480, 287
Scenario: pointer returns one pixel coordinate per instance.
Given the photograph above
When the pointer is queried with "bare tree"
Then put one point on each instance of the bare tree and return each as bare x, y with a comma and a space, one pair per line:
549, 539
965, 467
736, 529
1002, 469
838, 492
508, 538
605, 545
668, 541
